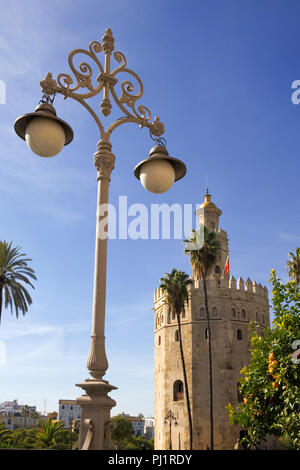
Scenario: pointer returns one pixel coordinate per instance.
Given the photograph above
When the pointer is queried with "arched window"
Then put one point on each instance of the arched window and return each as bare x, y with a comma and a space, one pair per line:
202, 312
239, 334
206, 333
233, 312
214, 311
176, 335
159, 341
162, 319
243, 313
217, 270
178, 391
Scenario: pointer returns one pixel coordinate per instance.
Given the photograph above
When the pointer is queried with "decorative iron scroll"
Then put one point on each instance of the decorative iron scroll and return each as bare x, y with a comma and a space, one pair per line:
106, 81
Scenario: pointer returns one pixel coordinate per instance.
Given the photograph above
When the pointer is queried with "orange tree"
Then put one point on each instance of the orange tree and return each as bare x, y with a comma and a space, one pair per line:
270, 384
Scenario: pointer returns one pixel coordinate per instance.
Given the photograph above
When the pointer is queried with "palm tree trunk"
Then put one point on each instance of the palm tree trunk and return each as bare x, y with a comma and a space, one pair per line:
211, 416
185, 382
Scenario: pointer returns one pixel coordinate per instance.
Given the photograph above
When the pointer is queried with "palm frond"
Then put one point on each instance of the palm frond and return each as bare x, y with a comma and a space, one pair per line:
14, 272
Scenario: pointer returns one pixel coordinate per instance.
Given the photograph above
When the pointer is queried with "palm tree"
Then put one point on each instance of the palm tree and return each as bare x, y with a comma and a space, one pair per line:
25, 413
293, 266
50, 434
202, 258
175, 287
35, 415
14, 271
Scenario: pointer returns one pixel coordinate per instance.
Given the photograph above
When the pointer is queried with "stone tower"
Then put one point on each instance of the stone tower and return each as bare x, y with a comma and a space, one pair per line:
232, 305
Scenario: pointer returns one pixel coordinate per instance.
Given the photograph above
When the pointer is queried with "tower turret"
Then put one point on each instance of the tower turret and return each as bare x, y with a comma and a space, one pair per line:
208, 214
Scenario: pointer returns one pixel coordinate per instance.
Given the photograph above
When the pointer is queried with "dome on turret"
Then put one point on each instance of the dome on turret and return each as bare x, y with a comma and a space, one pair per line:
207, 201
208, 213
208, 204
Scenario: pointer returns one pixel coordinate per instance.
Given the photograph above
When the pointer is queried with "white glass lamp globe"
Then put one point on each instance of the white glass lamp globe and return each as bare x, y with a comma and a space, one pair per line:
45, 136
157, 175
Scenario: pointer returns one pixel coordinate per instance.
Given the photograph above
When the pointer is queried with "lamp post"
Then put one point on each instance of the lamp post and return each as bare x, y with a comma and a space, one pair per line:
171, 418
46, 135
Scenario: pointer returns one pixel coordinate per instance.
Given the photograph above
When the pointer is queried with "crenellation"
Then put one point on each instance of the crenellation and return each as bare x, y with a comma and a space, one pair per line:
248, 285
240, 283
232, 283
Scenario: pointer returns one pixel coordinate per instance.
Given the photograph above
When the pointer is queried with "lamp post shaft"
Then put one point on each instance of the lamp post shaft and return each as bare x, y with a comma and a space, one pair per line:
97, 362
95, 404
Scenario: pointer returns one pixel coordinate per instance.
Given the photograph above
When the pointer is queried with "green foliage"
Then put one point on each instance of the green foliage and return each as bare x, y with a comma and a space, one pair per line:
50, 435
174, 285
204, 256
293, 266
270, 384
14, 271
19, 439
121, 430
4, 436
139, 443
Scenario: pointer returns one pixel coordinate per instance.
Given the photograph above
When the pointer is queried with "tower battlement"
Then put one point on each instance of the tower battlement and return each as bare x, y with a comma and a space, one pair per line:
249, 287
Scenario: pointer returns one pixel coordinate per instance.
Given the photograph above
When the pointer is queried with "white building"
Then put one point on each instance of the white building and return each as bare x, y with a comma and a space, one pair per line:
68, 411
14, 416
149, 428
137, 424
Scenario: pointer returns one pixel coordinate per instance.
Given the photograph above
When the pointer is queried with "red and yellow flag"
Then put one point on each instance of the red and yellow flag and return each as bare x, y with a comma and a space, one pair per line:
227, 266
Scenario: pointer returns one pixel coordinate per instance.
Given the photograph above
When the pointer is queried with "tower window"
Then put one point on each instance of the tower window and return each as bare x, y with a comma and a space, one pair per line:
233, 312
159, 341
239, 334
243, 312
176, 335
206, 333
217, 270
214, 312
178, 390
202, 312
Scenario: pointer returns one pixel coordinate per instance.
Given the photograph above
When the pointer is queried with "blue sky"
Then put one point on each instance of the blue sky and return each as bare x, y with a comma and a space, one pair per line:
219, 75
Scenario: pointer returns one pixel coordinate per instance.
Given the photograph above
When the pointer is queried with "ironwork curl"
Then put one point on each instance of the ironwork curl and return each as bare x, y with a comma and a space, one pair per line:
70, 85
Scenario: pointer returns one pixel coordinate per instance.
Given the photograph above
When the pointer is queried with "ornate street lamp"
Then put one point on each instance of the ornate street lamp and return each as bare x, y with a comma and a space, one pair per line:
46, 135
171, 418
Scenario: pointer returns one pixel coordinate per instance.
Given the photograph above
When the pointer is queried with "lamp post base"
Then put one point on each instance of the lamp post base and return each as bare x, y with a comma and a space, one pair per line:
95, 414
